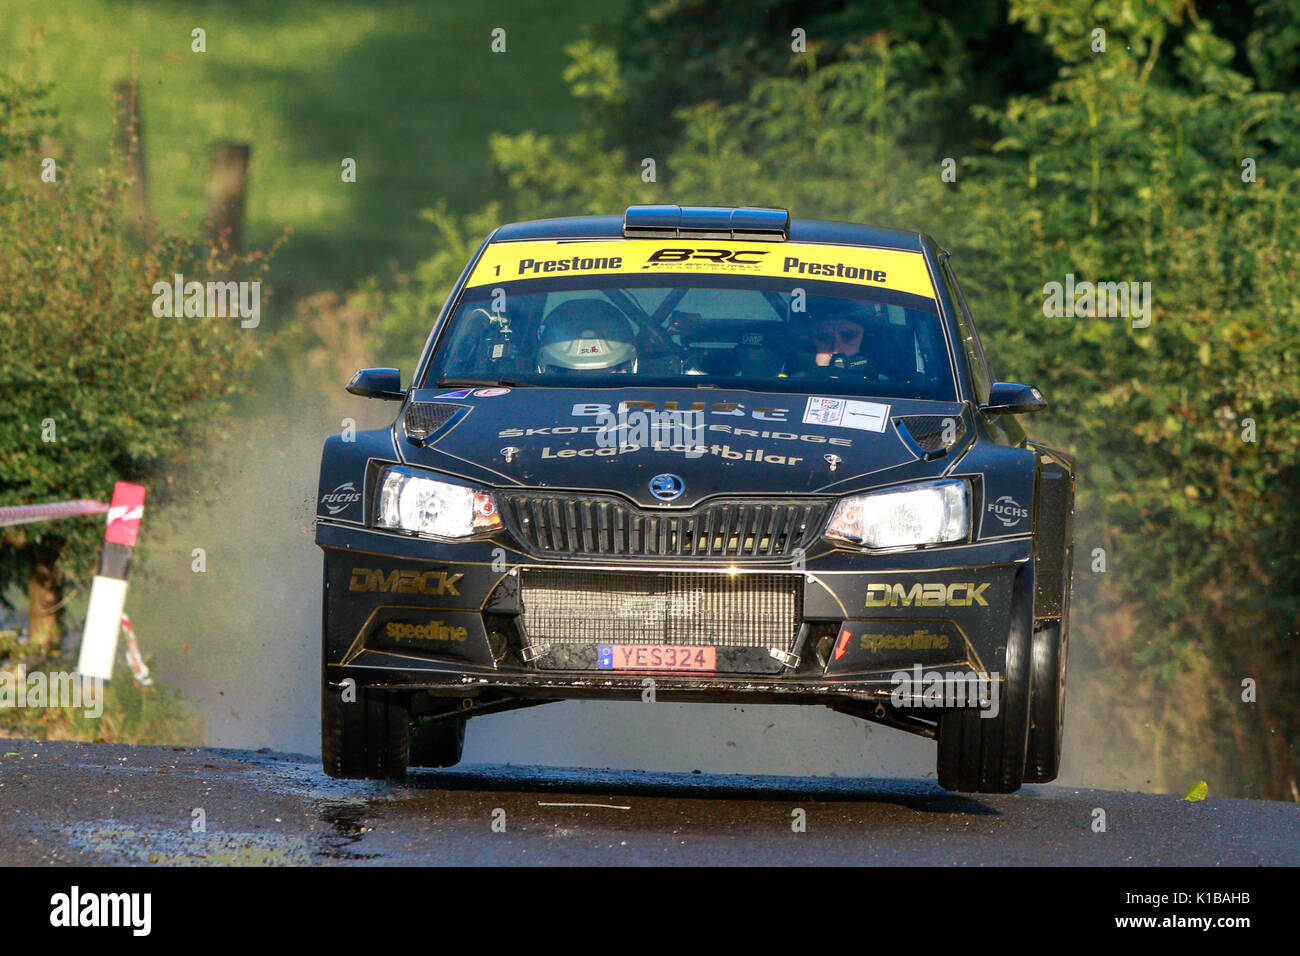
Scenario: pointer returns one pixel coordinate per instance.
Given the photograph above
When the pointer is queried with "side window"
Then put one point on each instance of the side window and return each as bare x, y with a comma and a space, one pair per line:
970, 339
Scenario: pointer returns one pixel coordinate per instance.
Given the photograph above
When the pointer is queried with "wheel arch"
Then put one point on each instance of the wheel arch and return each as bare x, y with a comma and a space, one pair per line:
1053, 531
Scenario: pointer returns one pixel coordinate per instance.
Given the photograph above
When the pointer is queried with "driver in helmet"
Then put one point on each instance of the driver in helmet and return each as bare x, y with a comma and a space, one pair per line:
586, 335
838, 331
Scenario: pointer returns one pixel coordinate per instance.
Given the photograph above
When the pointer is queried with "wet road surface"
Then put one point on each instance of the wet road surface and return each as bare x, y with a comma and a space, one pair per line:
100, 804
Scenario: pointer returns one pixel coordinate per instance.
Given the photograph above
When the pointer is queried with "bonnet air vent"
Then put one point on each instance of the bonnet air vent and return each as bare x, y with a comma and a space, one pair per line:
422, 419
706, 222
927, 431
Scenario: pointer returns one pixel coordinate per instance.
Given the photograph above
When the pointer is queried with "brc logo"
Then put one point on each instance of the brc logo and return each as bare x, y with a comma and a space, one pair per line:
926, 595
710, 255
404, 582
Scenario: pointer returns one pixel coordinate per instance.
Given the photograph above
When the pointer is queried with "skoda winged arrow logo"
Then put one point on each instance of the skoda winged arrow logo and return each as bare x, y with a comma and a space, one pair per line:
667, 487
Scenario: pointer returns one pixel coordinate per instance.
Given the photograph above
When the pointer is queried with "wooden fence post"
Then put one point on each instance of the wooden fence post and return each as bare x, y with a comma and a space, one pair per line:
227, 183
130, 138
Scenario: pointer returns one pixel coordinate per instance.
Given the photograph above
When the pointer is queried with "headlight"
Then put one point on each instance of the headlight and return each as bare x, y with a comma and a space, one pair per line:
408, 502
925, 513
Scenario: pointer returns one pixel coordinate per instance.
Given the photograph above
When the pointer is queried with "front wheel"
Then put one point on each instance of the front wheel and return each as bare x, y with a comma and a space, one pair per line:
1047, 690
1047, 713
365, 733
979, 754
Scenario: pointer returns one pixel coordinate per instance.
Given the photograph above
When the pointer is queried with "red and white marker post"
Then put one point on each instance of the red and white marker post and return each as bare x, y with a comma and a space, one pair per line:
108, 590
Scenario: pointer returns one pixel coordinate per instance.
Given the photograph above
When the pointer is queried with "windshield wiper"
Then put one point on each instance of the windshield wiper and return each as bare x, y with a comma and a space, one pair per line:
475, 382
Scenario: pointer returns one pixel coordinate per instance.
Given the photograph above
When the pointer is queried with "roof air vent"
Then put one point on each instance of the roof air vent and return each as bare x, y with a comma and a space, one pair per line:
706, 222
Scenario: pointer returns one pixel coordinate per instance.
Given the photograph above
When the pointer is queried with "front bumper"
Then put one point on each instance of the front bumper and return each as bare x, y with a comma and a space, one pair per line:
447, 619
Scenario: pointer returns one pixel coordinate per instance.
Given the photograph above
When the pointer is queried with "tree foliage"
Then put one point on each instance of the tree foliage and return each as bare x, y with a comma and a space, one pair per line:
663, 56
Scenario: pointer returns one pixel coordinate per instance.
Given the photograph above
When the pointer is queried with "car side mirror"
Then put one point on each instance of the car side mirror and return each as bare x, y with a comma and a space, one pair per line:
1009, 398
385, 383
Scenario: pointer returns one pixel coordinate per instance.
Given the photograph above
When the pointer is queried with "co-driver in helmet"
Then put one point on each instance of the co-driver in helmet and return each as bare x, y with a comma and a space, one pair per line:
586, 335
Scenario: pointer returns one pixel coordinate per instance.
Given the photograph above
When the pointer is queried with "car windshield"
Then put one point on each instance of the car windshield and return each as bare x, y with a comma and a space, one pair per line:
743, 332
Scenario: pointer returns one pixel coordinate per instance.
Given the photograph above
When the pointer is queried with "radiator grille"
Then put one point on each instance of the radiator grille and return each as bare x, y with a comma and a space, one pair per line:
595, 525
651, 607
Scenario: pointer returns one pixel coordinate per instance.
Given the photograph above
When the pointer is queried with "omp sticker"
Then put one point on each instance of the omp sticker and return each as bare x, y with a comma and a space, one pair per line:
846, 413
491, 392
894, 269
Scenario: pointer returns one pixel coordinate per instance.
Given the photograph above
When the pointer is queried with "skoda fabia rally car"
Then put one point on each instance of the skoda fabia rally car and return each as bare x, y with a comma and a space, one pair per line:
699, 454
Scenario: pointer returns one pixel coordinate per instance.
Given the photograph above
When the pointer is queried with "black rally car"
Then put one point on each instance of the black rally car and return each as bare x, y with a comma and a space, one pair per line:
699, 454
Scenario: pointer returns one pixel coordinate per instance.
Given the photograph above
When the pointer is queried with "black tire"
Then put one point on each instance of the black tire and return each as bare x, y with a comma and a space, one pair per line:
438, 743
987, 754
365, 739
1047, 692
1047, 704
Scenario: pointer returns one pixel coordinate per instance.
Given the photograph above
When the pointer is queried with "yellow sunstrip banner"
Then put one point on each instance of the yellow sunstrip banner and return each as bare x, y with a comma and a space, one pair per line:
892, 269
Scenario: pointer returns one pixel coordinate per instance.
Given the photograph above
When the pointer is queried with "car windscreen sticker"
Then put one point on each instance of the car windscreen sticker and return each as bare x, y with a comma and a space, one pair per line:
847, 413
895, 269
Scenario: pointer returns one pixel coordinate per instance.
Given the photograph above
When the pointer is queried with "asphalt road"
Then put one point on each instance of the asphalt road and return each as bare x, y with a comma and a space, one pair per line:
76, 803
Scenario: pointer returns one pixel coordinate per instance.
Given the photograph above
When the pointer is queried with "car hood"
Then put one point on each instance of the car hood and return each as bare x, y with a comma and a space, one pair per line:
710, 441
